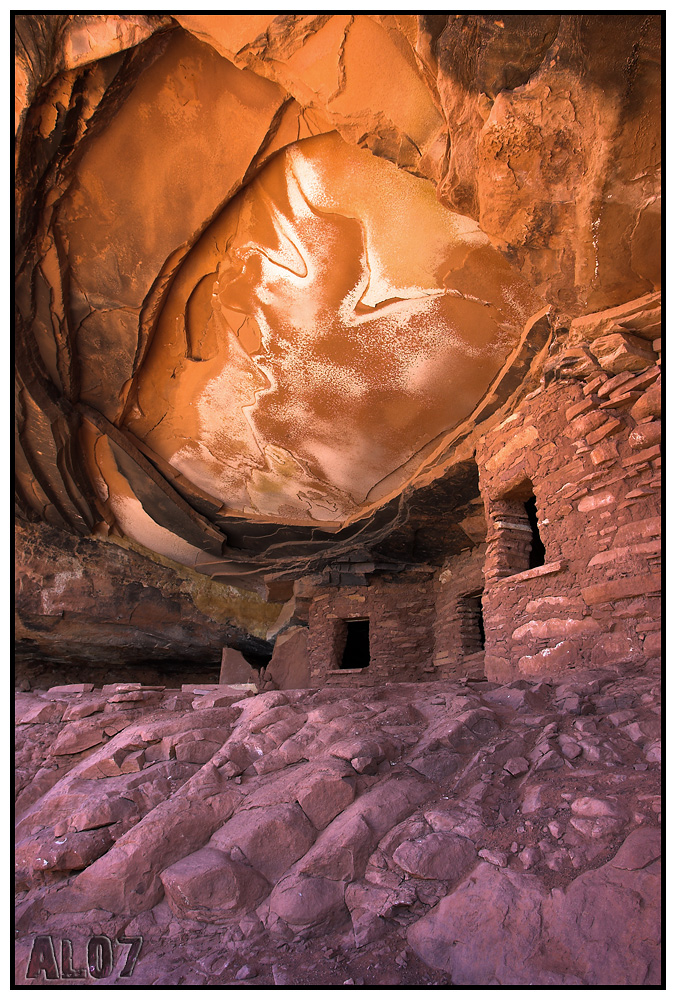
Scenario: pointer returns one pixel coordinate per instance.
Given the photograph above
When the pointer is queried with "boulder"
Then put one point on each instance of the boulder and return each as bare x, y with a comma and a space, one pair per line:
486, 932
641, 847
102, 810
211, 887
323, 795
620, 352
235, 669
70, 852
40, 711
82, 710
303, 901
368, 751
253, 708
271, 838
196, 751
123, 760
649, 403
438, 855
437, 765
342, 850
289, 666
126, 879
609, 920
589, 806
366, 903
241, 751
78, 736
70, 689
499, 928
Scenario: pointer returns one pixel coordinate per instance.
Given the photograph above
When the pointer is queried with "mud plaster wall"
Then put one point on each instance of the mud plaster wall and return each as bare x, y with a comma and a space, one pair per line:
401, 618
592, 454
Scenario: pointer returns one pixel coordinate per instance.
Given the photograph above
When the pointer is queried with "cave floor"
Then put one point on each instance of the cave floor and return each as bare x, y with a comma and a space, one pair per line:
436, 834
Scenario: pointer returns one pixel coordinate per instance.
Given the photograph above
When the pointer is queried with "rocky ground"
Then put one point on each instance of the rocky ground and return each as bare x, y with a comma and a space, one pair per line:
410, 834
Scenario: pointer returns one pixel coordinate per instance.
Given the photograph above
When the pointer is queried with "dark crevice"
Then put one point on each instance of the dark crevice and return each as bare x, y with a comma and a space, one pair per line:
537, 552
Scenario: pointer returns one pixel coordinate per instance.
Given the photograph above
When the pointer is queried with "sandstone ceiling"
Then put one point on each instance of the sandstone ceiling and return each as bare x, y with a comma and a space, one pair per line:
276, 272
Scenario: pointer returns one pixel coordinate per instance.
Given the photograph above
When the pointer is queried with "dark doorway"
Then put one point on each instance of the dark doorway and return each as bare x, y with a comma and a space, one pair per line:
357, 653
537, 550
472, 634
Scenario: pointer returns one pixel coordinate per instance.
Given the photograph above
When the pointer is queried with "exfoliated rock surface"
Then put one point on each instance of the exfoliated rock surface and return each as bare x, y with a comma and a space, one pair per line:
110, 613
463, 833
277, 275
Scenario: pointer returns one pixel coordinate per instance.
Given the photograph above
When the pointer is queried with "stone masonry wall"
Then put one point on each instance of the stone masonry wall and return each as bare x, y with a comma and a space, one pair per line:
590, 449
457, 650
581, 456
401, 621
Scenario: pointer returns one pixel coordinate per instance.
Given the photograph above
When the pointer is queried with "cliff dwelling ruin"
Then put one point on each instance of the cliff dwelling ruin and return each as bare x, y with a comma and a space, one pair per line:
338, 483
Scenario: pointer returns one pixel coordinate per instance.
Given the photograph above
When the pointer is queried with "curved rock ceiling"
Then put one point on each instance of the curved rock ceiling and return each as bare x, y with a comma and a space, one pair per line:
274, 270
309, 351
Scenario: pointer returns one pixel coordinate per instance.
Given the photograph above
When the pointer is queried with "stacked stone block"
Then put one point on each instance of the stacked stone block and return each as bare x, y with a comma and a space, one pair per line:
455, 652
401, 620
590, 448
586, 446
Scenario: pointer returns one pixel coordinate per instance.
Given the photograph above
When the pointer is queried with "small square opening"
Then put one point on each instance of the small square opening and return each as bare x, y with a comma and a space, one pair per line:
357, 651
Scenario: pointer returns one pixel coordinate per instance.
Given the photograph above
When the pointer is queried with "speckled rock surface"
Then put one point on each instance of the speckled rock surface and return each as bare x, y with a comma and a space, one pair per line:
277, 272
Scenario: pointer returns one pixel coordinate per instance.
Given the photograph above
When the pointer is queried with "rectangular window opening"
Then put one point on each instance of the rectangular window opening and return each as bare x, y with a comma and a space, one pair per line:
357, 651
